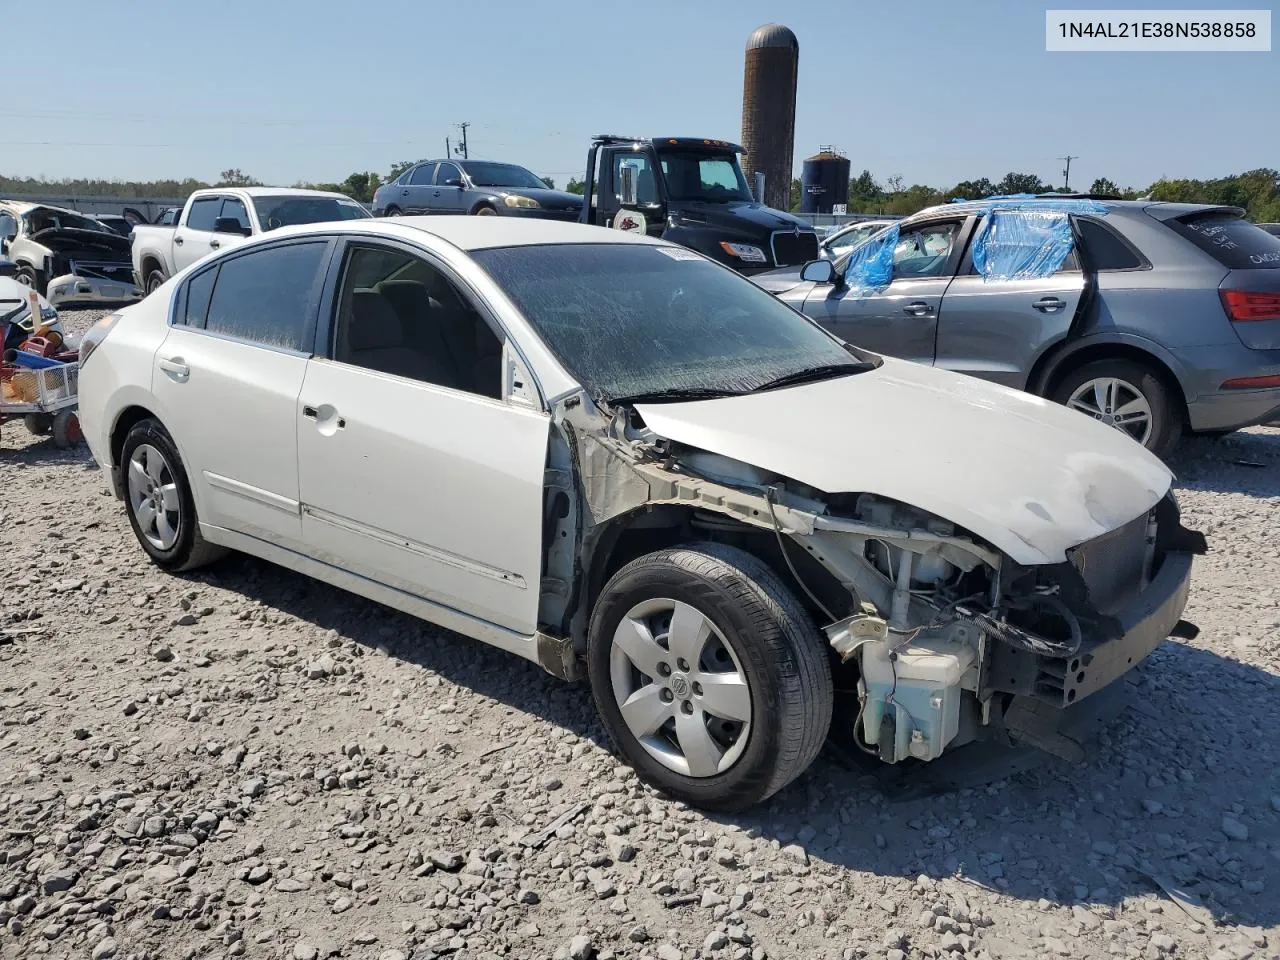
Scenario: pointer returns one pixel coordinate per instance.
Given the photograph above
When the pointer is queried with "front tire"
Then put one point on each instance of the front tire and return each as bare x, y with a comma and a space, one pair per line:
38, 424
485, 211
33, 278
394, 212
158, 500
1127, 396
709, 675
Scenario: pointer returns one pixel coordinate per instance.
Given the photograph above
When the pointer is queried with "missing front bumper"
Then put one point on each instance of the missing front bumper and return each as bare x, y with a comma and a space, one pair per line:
72, 288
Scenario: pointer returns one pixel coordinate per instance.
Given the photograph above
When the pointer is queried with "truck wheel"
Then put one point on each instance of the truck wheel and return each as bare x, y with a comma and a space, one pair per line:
394, 212
158, 500
38, 424
155, 279
66, 429
1128, 396
485, 211
709, 675
33, 278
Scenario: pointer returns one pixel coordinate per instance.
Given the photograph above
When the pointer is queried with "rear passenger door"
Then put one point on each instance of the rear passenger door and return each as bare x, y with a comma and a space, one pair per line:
194, 237
227, 378
415, 195
902, 319
997, 329
415, 470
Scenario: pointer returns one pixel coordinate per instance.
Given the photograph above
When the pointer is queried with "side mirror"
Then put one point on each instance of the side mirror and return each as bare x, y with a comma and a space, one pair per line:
230, 225
819, 271
627, 186
453, 182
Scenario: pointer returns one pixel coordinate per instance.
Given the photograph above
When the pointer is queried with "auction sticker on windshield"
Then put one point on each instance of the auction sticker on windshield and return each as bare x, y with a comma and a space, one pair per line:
679, 253
1149, 31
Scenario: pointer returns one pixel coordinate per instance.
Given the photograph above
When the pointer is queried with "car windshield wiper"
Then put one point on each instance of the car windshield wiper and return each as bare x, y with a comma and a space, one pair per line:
675, 394
826, 371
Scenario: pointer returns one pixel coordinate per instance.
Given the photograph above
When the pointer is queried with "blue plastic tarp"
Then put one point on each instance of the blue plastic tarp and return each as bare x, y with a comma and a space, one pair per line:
870, 266
1021, 240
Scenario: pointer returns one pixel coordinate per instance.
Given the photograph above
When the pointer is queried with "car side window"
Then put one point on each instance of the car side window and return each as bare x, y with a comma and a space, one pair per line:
267, 295
195, 299
421, 176
231, 207
399, 314
1106, 250
1070, 265
925, 251
204, 213
446, 172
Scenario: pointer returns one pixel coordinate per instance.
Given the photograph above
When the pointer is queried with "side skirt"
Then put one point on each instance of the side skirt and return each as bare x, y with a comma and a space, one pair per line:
441, 616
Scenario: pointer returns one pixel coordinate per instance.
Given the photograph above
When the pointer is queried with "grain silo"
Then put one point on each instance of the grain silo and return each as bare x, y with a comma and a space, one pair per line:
824, 180
769, 110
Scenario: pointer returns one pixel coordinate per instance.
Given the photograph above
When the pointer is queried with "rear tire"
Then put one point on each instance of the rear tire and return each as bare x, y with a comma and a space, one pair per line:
394, 212
155, 485
753, 633
155, 280
1128, 383
38, 424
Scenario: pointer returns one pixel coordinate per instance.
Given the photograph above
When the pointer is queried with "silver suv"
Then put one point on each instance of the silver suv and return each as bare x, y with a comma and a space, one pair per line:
1164, 319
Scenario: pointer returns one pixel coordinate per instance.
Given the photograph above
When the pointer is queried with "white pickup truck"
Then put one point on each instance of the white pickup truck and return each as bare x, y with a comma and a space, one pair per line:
222, 217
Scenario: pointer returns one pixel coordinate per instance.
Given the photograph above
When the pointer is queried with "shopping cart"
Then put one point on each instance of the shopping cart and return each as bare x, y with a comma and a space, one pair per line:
42, 391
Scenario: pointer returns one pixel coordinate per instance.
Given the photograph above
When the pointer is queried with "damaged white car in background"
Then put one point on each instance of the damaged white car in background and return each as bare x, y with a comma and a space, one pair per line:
598, 450
65, 256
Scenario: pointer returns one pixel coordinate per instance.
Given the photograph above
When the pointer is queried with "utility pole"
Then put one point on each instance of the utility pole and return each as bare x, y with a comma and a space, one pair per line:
448, 149
463, 127
1066, 173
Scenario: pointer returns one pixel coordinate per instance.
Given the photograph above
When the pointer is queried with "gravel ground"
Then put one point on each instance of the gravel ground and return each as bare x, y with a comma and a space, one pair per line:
244, 762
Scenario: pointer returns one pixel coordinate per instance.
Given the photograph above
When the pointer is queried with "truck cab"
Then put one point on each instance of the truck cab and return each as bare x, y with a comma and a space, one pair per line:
693, 192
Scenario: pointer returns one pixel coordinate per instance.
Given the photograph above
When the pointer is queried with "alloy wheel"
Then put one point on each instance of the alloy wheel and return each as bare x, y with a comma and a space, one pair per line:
680, 688
153, 497
1116, 403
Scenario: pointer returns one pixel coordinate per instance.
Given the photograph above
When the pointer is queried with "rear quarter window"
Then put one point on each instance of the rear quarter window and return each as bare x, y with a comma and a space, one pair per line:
1106, 250
1234, 242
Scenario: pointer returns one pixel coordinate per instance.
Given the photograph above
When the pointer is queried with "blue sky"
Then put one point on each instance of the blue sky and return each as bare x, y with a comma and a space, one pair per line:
290, 90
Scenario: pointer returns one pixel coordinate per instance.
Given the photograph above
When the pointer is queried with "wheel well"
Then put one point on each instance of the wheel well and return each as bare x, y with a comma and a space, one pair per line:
484, 203
1045, 377
124, 423
149, 264
655, 528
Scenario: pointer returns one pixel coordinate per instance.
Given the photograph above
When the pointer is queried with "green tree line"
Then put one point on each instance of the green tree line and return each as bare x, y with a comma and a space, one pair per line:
1256, 191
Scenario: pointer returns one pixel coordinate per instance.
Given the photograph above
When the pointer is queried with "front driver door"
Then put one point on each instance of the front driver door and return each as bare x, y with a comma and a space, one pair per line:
902, 319
415, 472
446, 197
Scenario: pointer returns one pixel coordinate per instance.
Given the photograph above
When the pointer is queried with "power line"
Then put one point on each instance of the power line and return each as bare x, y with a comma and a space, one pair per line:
463, 127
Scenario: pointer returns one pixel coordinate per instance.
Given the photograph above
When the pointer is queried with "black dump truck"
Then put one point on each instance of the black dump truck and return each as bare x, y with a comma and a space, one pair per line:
691, 192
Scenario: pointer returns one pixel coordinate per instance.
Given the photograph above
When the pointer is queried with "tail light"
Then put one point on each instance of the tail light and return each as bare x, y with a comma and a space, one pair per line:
95, 335
1243, 306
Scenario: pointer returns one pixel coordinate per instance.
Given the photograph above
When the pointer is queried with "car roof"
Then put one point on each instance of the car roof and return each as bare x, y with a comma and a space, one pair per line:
1159, 209
275, 192
478, 233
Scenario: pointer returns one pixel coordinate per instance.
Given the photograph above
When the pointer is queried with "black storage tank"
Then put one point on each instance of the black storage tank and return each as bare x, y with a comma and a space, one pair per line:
824, 180
769, 111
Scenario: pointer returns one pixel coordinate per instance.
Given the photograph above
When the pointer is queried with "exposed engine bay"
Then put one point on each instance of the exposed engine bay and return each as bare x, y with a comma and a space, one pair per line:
69, 257
945, 637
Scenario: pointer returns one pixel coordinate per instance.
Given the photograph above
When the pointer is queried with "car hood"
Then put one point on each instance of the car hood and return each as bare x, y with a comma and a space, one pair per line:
1031, 477
551, 199
66, 239
753, 219
778, 281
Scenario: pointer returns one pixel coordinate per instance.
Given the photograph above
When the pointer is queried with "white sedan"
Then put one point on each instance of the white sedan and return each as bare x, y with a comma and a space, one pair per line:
610, 455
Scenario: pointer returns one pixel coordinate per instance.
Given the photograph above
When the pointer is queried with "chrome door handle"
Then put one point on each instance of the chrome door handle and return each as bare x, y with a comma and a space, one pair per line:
1048, 304
175, 368
917, 309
